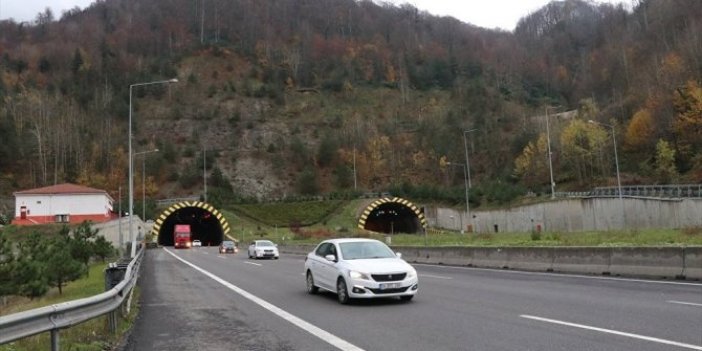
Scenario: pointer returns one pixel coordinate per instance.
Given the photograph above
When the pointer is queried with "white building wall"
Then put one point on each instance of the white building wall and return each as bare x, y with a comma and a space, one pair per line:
75, 204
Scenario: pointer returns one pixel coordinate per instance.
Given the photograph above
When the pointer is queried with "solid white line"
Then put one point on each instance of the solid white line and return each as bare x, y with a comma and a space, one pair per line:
609, 331
434, 276
557, 274
330, 338
255, 264
222, 257
685, 303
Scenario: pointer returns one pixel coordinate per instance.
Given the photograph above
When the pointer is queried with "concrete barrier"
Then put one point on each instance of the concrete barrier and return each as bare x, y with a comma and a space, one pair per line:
692, 263
648, 262
588, 260
531, 258
652, 262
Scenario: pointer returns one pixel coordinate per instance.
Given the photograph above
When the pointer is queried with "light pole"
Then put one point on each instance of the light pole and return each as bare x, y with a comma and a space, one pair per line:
616, 160
465, 183
550, 163
143, 181
465, 144
132, 234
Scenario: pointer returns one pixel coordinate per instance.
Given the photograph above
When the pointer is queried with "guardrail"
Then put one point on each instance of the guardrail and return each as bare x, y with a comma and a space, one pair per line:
168, 202
657, 191
67, 314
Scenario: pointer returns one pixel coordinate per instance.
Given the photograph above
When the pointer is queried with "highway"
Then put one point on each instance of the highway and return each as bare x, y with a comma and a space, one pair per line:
198, 299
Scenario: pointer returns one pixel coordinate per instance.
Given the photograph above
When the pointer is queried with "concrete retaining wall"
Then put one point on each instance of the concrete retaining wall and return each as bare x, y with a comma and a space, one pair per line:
117, 231
573, 215
647, 262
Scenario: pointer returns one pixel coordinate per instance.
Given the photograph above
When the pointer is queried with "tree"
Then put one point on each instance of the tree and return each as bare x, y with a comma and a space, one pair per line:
103, 248
81, 246
531, 166
688, 122
640, 130
583, 145
61, 267
8, 283
307, 183
665, 162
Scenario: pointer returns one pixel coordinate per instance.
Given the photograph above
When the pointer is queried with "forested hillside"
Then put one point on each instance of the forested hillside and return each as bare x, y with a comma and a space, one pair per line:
287, 97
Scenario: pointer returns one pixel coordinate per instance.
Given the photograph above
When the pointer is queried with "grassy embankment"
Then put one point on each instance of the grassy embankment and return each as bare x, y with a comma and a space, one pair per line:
339, 220
92, 335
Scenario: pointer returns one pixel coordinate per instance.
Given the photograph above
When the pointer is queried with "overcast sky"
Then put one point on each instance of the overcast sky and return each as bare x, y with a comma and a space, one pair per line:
485, 13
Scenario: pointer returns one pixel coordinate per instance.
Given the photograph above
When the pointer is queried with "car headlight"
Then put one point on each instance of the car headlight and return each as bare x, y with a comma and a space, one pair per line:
411, 274
358, 275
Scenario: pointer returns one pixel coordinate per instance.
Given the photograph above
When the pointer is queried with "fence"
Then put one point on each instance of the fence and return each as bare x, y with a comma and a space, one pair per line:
656, 191
64, 315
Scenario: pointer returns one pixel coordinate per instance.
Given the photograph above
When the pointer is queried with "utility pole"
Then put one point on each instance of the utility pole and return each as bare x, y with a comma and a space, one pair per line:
550, 164
202, 23
204, 170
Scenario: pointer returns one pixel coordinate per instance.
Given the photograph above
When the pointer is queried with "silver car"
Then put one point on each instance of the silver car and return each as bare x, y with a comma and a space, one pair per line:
359, 268
263, 249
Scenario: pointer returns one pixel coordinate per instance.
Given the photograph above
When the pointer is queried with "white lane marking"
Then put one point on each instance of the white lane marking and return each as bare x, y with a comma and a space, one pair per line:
557, 274
685, 303
434, 276
205, 253
222, 257
255, 264
610, 331
330, 338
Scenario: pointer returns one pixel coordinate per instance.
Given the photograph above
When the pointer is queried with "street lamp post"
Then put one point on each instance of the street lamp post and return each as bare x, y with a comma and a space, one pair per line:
550, 163
465, 144
465, 184
616, 160
143, 181
132, 234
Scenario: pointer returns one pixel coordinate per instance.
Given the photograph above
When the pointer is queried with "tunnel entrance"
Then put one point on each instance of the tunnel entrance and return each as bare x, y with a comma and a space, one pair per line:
206, 223
392, 215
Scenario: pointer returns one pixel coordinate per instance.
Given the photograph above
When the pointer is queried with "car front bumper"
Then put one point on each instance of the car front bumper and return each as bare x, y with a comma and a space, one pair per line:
368, 289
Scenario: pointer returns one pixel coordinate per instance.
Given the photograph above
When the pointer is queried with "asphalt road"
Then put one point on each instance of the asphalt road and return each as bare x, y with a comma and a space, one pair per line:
207, 301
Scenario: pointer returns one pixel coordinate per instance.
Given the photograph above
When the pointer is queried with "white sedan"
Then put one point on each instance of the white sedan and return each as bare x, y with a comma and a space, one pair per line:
263, 249
359, 268
197, 243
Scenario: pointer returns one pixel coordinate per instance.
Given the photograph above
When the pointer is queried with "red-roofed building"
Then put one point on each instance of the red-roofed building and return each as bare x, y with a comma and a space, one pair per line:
62, 203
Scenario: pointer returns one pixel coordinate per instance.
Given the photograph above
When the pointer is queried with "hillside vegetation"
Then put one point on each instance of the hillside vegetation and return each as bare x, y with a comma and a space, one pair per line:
286, 97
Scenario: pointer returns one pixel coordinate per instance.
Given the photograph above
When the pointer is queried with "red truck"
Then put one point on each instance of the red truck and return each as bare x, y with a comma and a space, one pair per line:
181, 236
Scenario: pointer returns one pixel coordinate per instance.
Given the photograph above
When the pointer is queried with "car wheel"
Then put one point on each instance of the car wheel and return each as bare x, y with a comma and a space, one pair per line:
407, 298
276, 257
311, 288
342, 293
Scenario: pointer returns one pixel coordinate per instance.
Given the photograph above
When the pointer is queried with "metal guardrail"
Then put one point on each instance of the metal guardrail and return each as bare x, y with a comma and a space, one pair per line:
67, 314
168, 202
656, 191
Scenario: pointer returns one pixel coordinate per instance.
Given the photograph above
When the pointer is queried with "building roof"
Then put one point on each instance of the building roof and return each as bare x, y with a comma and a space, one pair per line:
61, 189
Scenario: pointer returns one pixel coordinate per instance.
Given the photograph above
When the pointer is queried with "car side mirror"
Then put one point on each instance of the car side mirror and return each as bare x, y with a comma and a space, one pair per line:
330, 258
398, 254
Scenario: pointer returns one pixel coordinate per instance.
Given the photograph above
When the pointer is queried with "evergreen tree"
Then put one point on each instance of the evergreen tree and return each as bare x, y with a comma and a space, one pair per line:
103, 248
61, 267
81, 247
8, 283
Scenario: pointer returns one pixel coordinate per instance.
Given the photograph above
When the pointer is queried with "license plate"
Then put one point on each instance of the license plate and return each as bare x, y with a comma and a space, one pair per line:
385, 286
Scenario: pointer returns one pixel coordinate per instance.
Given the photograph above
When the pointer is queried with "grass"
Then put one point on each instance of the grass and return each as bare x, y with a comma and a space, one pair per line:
92, 335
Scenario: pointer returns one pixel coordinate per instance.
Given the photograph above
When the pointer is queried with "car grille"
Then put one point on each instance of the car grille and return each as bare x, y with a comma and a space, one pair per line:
388, 291
388, 277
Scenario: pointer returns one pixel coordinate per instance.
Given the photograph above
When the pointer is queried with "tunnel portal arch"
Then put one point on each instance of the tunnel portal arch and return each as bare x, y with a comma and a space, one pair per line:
392, 215
207, 223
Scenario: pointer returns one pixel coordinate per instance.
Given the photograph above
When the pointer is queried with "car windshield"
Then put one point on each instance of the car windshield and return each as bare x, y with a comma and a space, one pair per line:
264, 243
364, 250
228, 244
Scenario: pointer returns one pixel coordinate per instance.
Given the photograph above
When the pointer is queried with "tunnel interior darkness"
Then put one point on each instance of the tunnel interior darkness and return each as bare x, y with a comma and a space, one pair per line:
393, 217
204, 226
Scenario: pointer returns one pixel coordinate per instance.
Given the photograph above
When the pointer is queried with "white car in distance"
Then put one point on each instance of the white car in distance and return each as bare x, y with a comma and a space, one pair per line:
359, 269
197, 243
263, 249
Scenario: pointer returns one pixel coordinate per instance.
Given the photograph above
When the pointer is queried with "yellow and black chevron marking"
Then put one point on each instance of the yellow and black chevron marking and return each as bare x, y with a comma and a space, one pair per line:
376, 203
205, 206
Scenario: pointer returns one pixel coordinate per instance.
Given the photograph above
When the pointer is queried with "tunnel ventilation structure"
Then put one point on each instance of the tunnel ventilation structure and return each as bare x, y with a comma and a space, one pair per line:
207, 224
392, 215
